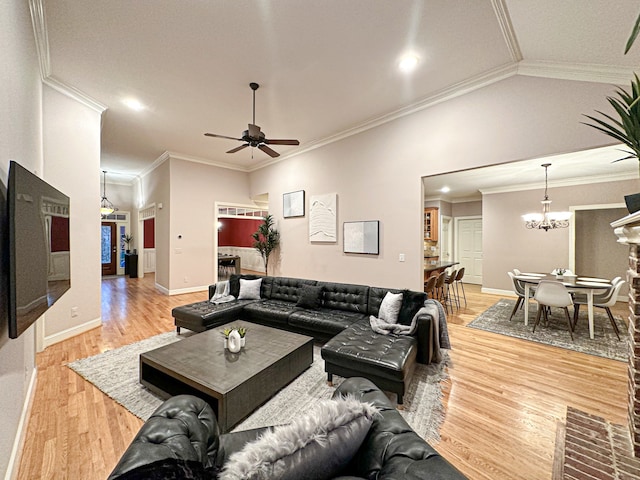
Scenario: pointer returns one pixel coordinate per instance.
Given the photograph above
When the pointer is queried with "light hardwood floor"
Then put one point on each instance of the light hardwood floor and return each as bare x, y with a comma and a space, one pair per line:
503, 399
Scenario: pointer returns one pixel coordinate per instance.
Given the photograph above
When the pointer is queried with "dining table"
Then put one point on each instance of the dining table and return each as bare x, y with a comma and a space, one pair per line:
574, 283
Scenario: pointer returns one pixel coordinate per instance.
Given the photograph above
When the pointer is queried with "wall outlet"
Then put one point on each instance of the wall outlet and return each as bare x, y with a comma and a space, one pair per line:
178, 251
186, 279
401, 258
74, 312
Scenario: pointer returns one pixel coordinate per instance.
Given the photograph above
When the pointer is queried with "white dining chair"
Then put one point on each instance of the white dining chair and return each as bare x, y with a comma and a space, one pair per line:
518, 288
606, 301
552, 294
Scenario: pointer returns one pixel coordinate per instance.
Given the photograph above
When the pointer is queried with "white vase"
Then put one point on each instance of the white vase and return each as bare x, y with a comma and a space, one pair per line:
235, 342
243, 340
226, 341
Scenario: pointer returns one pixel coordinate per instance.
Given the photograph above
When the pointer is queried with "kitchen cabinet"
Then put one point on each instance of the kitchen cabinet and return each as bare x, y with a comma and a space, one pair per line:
431, 224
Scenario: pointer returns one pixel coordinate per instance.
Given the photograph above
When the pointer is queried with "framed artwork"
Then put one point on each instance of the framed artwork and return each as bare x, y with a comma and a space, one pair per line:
362, 237
293, 204
323, 218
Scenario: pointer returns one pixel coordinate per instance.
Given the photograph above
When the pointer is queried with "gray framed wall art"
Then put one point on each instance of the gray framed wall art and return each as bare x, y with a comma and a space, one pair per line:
293, 204
362, 237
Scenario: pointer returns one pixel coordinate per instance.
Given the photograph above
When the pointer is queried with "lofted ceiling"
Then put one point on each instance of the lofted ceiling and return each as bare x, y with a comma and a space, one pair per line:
326, 69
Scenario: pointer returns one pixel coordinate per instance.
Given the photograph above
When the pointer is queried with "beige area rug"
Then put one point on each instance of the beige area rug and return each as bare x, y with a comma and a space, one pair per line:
116, 373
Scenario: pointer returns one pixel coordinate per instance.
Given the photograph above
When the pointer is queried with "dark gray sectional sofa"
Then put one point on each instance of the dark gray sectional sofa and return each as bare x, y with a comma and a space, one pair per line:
339, 315
182, 440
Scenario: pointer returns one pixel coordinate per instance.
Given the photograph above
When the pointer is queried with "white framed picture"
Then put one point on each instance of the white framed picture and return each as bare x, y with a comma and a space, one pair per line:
323, 218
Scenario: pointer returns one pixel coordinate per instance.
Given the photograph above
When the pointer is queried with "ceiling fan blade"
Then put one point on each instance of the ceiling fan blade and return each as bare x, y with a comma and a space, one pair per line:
254, 131
268, 151
222, 136
237, 149
281, 142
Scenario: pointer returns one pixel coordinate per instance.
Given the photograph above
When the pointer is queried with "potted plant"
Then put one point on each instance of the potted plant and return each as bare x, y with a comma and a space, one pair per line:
243, 332
626, 127
225, 333
127, 239
266, 239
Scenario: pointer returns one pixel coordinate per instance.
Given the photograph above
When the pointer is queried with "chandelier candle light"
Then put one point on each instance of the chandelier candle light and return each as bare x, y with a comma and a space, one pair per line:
547, 219
106, 207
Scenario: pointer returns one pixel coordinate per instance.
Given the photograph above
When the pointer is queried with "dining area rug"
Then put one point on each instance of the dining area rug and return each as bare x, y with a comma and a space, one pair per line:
605, 344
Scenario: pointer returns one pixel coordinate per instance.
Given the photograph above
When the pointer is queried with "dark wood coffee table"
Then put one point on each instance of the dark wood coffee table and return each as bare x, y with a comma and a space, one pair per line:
234, 384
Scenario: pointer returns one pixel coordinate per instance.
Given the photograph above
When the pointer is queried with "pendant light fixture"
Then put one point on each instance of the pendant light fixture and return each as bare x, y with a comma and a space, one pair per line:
547, 219
106, 207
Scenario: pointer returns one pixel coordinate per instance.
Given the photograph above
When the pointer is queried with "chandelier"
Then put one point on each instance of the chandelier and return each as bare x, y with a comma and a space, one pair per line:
547, 219
106, 207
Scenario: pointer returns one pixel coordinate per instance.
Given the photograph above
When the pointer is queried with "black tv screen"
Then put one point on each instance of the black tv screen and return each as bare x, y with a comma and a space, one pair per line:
39, 265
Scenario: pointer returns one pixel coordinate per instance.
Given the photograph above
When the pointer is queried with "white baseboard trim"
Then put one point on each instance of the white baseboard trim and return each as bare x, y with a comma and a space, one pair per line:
180, 291
21, 434
72, 332
497, 291
162, 289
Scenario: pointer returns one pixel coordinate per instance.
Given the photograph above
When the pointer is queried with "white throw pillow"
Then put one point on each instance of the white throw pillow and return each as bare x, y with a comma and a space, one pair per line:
390, 307
250, 289
315, 446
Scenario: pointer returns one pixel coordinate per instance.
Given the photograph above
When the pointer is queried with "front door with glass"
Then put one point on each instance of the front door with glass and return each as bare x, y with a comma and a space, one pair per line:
108, 248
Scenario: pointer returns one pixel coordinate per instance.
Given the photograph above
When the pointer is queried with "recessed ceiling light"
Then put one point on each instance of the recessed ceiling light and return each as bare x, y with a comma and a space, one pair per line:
408, 63
445, 189
133, 104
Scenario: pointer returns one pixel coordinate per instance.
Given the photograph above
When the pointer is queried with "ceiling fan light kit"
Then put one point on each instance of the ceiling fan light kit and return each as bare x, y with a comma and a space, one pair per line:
253, 136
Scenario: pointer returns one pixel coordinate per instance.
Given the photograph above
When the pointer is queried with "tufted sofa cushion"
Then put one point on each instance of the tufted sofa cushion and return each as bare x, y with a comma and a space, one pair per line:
384, 356
269, 312
287, 289
392, 450
329, 322
345, 296
204, 315
183, 427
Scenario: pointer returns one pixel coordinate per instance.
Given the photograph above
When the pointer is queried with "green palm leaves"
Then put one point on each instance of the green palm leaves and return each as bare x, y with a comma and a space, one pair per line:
266, 239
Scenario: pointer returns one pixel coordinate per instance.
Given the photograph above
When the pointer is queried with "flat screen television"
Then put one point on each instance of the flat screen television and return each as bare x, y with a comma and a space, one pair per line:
39, 263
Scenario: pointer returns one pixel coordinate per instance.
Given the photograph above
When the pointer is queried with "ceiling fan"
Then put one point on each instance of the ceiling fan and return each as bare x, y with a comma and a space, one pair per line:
253, 137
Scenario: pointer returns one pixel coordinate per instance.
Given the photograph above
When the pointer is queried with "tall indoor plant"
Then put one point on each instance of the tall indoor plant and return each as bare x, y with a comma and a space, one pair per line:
626, 127
266, 240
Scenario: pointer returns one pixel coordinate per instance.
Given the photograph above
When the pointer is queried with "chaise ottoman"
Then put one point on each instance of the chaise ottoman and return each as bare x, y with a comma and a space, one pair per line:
387, 360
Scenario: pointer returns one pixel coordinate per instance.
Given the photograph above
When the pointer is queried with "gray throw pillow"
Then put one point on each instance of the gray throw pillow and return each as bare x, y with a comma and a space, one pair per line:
250, 289
315, 446
310, 297
390, 307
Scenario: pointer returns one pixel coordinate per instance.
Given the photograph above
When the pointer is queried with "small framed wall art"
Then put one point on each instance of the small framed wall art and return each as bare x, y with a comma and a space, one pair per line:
293, 204
362, 237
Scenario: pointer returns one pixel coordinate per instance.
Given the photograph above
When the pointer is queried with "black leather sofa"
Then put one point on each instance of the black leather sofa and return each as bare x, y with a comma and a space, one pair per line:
184, 428
340, 317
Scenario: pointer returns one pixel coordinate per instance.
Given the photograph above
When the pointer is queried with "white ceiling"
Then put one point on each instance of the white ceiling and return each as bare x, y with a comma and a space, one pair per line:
326, 68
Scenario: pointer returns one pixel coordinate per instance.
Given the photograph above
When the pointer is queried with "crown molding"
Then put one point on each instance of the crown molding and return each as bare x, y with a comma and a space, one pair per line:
456, 90
39, 23
568, 182
581, 72
156, 163
75, 94
509, 34
191, 158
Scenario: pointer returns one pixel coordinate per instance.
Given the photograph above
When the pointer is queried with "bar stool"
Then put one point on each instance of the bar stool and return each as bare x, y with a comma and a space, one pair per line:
451, 297
439, 288
429, 286
458, 282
